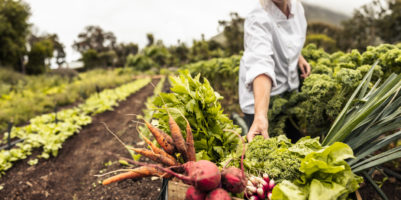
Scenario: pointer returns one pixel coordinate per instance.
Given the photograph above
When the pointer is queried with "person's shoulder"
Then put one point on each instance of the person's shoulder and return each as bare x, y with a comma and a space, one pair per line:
299, 6
258, 15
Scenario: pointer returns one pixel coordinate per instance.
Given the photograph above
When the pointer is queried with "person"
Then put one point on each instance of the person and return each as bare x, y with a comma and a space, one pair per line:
274, 34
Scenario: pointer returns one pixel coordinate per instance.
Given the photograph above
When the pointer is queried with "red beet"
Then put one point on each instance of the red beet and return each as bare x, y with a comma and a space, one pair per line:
194, 194
203, 175
233, 180
218, 194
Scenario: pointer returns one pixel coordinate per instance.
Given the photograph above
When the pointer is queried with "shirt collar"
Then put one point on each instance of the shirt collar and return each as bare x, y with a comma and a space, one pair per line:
277, 13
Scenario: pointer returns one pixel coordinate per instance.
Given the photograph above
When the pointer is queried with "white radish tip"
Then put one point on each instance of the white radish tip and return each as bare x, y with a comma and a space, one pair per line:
269, 195
265, 175
254, 198
251, 189
261, 193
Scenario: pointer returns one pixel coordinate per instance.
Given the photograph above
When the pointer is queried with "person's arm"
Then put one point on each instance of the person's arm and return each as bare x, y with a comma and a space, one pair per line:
304, 66
258, 65
261, 90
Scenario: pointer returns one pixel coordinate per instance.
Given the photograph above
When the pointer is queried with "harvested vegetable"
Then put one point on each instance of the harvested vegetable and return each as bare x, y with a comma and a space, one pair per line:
156, 149
191, 155
199, 103
218, 194
278, 157
194, 194
140, 172
178, 139
156, 157
164, 140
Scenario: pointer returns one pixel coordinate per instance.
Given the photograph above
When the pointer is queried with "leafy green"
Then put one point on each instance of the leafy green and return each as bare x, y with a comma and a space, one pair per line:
324, 175
277, 156
199, 103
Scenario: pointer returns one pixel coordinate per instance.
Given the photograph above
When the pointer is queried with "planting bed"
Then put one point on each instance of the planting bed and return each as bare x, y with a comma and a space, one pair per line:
71, 174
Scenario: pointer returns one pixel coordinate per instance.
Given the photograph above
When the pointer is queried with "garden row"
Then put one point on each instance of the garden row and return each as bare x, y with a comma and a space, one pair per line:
23, 97
48, 132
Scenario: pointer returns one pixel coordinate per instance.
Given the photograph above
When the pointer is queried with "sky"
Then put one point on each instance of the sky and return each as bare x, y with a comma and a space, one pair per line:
131, 20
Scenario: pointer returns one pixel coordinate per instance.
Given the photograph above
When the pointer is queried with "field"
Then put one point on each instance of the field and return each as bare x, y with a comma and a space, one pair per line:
124, 119
71, 175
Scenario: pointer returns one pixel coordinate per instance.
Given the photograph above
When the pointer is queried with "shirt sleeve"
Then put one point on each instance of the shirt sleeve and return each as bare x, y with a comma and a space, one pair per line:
258, 51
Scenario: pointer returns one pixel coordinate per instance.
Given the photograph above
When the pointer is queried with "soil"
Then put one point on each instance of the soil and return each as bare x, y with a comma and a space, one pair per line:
390, 186
71, 175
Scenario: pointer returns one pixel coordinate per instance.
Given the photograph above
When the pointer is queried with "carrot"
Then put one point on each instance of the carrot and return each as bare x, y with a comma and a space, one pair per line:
164, 140
156, 149
178, 138
156, 157
190, 144
139, 172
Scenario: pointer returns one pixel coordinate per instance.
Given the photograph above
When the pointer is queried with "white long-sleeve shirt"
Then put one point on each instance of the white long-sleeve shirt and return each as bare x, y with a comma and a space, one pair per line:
273, 44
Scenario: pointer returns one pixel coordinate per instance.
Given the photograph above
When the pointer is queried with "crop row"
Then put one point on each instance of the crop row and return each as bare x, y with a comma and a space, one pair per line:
47, 133
32, 95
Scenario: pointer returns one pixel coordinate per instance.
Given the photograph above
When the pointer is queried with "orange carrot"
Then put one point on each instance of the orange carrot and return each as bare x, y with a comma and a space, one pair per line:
156, 149
139, 172
164, 140
190, 144
156, 157
178, 138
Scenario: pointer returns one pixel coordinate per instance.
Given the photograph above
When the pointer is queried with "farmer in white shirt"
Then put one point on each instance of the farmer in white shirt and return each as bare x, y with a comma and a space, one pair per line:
274, 36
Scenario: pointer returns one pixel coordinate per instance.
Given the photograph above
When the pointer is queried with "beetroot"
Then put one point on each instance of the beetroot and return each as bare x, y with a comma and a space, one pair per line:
233, 180
194, 194
218, 194
203, 174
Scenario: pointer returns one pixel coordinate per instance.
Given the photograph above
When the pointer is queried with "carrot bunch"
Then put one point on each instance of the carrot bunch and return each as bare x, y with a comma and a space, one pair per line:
165, 155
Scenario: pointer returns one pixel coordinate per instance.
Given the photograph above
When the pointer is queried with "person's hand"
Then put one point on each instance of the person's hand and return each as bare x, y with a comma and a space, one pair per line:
259, 127
304, 67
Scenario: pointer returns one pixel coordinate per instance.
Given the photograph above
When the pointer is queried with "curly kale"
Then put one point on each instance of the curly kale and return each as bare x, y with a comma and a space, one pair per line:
278, 157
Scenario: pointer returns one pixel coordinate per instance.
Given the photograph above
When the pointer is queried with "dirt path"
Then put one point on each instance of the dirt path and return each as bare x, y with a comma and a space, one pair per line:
71, 174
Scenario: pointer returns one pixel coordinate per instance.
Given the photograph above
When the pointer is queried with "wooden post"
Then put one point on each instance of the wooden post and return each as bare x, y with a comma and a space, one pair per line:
10, 127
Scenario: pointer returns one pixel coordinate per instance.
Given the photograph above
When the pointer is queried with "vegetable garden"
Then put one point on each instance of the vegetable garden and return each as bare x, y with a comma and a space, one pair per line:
120, 137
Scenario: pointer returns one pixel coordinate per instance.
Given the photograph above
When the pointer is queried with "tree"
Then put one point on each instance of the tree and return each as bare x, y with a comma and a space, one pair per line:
151, 39
14, 28
123, 50
390, 22
234, 33
97, 44
58, 49
40, 51
95, 38
376, 22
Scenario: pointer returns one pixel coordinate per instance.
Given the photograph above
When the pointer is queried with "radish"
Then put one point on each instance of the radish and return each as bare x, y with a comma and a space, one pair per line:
218, 194
254, 198
269, 195
261, 193
251, 189
254, 180
271, 185
250, 183
266, 177
194, 194
265, 185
